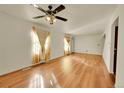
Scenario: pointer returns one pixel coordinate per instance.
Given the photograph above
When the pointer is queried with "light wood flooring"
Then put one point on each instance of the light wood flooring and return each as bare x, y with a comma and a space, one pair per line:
72, 71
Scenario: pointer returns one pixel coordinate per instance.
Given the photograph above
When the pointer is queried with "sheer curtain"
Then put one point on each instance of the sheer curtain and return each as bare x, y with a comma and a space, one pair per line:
36, 47
67, 45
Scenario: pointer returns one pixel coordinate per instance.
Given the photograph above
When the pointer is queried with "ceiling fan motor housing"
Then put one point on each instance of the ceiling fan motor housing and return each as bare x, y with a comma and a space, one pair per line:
50, 7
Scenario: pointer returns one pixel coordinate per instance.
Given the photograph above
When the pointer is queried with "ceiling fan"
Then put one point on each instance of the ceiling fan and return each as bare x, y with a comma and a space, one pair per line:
50, 14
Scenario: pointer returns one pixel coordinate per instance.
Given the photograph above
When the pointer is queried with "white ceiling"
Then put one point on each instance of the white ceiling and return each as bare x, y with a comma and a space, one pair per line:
82, 18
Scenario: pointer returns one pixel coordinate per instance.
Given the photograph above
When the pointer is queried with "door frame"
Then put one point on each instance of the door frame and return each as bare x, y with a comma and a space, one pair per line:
115, 23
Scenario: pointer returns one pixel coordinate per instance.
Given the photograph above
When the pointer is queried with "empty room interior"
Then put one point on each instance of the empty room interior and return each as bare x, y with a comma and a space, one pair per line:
61, 45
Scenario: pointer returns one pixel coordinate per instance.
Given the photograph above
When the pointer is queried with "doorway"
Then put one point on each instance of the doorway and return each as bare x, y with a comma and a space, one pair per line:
115, 50
114, 47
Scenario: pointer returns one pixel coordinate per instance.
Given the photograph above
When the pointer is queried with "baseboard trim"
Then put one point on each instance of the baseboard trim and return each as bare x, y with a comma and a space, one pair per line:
119, 85
22, 69
29, 67
87, 53
55, 58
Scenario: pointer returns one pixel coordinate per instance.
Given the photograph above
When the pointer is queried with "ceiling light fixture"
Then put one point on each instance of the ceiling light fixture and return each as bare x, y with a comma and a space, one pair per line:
50, 14
51, 19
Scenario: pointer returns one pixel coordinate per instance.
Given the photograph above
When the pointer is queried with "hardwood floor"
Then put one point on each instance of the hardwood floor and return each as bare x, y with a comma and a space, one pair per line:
72, 71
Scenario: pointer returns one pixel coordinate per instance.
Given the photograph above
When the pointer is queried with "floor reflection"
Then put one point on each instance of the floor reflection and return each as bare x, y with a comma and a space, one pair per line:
66, 65
36, 81
53, 81
47, 80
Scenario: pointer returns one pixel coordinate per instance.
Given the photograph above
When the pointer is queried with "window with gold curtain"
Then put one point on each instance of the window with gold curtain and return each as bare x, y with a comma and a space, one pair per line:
41, 45
67, 44
36, 47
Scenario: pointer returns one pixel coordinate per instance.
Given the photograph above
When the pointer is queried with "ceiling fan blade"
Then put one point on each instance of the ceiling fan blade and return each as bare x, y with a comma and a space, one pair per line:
41, 9
60, 18
38, 17
59, 8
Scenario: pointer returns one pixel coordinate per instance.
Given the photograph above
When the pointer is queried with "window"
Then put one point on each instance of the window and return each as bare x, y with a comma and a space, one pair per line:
36, 48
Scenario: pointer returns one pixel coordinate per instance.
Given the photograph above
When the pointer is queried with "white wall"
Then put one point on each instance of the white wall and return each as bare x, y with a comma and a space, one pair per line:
91, 43
15, 43
108, 45
57, 39
16, 46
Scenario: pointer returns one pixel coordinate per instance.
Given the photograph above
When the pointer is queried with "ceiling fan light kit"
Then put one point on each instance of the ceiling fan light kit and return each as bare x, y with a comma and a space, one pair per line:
50, 14
50, 19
